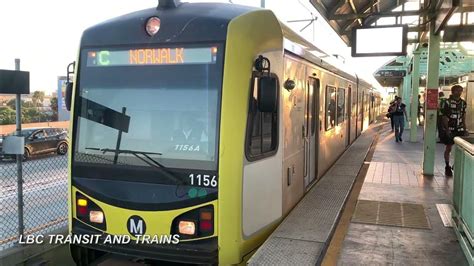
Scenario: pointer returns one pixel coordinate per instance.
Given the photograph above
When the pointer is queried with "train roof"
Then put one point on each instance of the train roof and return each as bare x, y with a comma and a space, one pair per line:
206, 22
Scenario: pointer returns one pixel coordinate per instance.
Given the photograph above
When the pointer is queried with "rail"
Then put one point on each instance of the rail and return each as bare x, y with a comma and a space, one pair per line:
463, 198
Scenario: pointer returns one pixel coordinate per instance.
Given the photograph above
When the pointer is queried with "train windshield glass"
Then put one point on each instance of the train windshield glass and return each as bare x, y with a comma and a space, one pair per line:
161, 103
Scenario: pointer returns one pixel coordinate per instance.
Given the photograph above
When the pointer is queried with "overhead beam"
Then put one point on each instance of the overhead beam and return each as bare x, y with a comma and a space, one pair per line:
396, 4
320, 7
378, 15
336, 6
462, 33
346, 26
361, 11
322, 10
466, 9
354, 9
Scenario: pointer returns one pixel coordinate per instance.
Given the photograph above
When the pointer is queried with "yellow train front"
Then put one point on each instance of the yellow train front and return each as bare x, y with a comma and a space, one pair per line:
202, 124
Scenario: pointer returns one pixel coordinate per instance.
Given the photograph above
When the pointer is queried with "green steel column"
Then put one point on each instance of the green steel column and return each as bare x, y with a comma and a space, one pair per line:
406, 96
429, 144
415, 81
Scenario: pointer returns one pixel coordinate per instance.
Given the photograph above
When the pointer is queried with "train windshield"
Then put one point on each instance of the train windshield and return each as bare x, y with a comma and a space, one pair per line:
158, 103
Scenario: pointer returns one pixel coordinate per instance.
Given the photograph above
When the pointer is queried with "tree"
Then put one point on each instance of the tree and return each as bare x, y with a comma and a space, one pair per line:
54, 107
38, 98
11, 104
7, 115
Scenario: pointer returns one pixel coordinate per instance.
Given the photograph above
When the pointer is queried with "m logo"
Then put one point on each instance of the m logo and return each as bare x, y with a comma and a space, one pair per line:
136, 225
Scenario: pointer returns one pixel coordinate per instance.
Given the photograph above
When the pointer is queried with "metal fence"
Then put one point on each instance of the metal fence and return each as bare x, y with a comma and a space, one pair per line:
44, 197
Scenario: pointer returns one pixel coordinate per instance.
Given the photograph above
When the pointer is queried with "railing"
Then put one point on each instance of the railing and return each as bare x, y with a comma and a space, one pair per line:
43, 197
463, 195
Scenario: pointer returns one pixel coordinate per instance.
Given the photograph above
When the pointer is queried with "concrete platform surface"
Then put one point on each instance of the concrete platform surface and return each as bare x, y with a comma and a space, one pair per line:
395, 175
304, 234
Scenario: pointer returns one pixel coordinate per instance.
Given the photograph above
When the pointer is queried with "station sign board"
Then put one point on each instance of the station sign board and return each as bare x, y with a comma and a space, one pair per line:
14, 82
391, 73
379, 41
63, 113
432, 99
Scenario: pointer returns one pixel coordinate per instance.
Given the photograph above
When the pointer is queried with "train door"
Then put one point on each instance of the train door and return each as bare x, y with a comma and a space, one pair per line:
357, 109
371, 108
293, 123
311, 131
349, 114
362, 110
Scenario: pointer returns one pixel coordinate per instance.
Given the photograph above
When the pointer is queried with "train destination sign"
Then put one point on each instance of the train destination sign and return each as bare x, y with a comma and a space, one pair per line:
151, 56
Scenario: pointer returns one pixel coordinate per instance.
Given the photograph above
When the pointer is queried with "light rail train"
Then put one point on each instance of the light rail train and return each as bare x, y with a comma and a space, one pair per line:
202, 122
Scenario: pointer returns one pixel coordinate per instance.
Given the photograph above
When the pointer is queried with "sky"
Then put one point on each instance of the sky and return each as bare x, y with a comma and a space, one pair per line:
45, 34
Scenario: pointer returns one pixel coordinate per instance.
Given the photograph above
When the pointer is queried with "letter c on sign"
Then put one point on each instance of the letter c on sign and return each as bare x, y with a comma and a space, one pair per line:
103, 58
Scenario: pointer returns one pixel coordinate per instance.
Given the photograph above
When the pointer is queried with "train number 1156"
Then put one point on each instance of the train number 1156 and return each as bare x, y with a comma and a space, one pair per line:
203, 180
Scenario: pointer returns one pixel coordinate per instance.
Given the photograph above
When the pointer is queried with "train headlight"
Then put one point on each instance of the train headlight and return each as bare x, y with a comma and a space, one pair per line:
187, 228
89, 212
96, 217
195, 223
153, 26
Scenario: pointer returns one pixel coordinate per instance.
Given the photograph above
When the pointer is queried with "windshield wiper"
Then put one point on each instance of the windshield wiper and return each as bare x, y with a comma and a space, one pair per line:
152, 162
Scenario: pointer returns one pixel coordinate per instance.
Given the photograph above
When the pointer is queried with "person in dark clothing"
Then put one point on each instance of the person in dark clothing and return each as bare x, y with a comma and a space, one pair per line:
441, 101
420, 110
389, 114
453, 122
399, 115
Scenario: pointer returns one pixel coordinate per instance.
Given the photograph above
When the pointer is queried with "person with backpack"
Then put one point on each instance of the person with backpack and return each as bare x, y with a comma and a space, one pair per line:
399, 114
389, 114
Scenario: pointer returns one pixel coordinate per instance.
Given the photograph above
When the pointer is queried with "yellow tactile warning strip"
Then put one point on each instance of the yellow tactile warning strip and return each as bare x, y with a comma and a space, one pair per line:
391, 213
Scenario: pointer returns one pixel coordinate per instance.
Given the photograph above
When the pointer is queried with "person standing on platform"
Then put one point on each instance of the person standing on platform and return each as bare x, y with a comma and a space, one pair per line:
453, 122
420, 111
399, 115
441, 100
389, 114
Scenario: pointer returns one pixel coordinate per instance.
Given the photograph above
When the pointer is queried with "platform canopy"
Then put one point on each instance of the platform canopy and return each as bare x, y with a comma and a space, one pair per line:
344, 15
455, 61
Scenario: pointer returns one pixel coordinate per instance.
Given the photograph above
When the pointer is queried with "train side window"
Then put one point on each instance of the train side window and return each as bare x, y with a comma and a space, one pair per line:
314, 115
262, 129
331, 107
341, 105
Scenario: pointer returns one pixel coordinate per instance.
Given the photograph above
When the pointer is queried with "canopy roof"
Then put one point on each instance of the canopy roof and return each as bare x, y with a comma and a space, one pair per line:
343, 15
455, 62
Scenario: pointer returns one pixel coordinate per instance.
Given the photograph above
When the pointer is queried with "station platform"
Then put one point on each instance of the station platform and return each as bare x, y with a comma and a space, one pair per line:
373, 207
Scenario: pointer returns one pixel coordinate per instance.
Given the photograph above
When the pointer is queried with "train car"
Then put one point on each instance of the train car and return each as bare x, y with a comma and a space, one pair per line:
202, 124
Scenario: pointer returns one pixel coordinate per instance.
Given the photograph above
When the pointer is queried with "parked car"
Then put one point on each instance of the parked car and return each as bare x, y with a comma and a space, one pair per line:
42, 140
